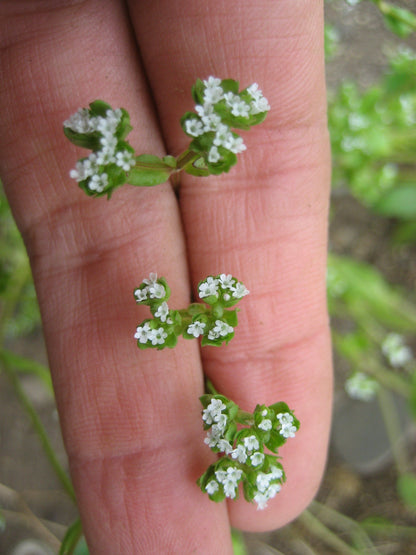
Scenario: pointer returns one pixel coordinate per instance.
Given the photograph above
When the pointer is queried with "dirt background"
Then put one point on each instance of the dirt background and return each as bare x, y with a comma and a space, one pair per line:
360, 480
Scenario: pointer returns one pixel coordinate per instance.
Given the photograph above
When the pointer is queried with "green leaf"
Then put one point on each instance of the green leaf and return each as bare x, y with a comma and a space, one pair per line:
399, 202
406, 488
230, 316
149, 171
28, 366
99, 108
90, 140
239, 546
401, 21
72, 537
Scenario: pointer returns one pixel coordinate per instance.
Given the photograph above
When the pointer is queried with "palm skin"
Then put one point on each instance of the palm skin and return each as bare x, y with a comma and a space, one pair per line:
131, 419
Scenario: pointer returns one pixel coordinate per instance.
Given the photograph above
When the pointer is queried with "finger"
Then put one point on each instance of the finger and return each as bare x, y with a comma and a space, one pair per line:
266, 221
130, 419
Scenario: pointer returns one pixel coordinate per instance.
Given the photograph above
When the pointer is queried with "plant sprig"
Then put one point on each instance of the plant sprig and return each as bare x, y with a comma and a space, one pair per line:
220, 107
241, 439
214, 321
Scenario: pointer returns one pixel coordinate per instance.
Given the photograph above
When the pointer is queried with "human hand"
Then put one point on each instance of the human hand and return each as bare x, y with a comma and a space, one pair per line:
131, 419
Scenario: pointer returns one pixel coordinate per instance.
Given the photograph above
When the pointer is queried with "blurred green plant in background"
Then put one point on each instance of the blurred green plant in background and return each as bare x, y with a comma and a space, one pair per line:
373, 140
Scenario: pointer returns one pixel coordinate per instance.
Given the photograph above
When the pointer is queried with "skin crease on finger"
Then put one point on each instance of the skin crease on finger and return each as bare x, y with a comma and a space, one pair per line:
285, 217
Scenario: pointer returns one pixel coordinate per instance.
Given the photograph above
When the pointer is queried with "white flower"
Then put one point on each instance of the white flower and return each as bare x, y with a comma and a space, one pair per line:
105, 156
223, 135
251, 443
125, 160
214, 155
230, 489
140, 294
142, 333
213, 91
263, 481
98, 182
284, 418
151, 280
196, 328
226, 281
85, 168
109, 143
229, 479
81, 122
240, 291
213, 411
224, 446
276, 473
208, 287
156, 291
221, 423
234, 144
288, 431
162, 312
157, 337
221, 329
240, 453
194, 127
257, 459
286, 421
107, 126
261, 500
394, 348
238, 106
259, 103
361, 387
211, 487
265, 424
259, 106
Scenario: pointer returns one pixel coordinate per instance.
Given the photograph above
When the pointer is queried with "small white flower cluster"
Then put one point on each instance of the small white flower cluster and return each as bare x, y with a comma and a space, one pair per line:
152, 289
146, 334
209, 121
396, 351
361, 387
92, 168
229, 480
286, 424
221, 329
266, 490
245, 457
287, 429
224, 284
213, 417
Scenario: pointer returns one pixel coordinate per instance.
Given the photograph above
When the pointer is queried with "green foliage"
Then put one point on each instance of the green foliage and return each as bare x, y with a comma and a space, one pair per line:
406, 488
214, 323
373, 139
19, 312
244, 442
237, 539
74, 542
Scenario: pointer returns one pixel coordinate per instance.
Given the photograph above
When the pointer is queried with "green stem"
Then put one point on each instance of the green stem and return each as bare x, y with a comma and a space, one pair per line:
21, 276
187, 157
345, 524
39, 429
394, 431
316, 527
